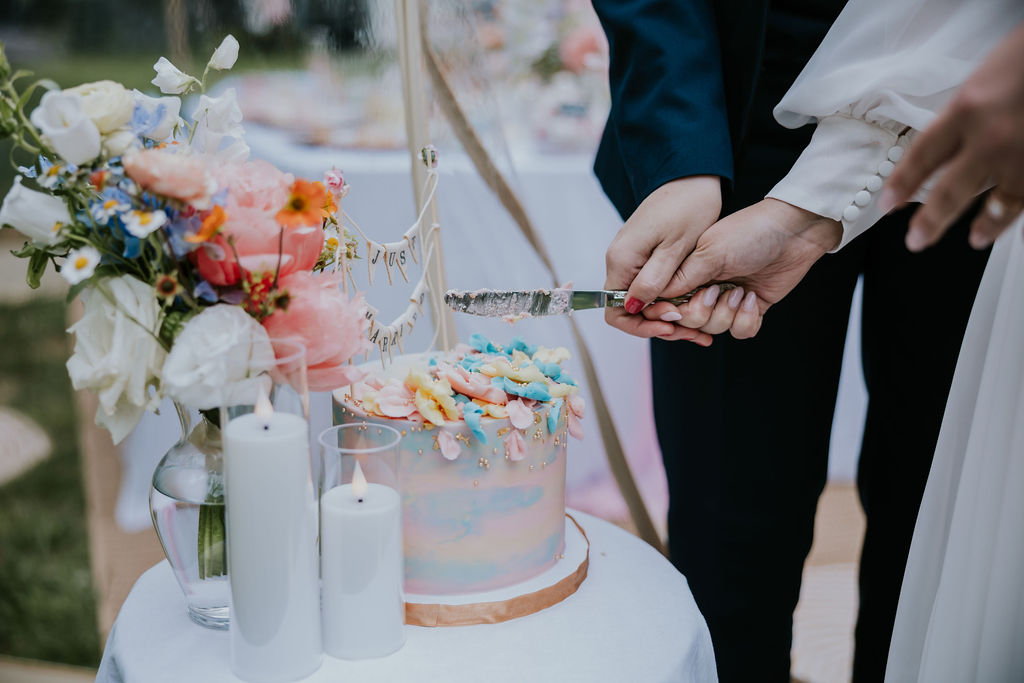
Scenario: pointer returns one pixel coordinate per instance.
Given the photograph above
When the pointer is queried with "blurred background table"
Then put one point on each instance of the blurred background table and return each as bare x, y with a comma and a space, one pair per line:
632, 619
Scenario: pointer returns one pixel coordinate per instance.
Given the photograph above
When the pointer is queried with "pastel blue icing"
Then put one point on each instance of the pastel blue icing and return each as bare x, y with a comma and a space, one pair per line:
518, 344
482, 344
471, 364
566, 379
462, 398
471, 413
552, 370
535, 390
432, 362
553, 414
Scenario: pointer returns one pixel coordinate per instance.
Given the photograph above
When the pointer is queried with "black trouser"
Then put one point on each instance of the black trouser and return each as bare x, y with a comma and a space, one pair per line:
744, 430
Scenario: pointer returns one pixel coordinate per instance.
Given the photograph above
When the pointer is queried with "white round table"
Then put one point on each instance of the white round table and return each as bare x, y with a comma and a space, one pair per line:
633, 619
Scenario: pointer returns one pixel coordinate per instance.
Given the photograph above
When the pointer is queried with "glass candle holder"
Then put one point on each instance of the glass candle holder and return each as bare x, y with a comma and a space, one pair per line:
363, 607
271, 515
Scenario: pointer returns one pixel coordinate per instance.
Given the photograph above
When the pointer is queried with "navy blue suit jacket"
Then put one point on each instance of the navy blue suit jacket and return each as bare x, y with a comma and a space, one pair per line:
684, 75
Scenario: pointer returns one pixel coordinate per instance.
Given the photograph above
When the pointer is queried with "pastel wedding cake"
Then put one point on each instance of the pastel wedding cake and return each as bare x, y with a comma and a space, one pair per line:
482, 462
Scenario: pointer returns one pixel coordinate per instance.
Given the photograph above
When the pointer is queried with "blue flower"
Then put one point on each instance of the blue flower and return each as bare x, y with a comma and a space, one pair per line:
177, 229
205, 292
112, 202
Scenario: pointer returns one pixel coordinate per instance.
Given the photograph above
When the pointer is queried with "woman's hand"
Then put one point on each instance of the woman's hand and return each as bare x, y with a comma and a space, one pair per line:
644, 257
977, 141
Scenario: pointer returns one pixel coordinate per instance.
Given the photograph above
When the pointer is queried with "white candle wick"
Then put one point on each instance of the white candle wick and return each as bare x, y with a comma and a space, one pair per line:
358, 483
264, 409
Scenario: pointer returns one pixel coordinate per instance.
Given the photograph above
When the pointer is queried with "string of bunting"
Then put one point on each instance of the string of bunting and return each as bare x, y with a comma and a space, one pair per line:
397, 256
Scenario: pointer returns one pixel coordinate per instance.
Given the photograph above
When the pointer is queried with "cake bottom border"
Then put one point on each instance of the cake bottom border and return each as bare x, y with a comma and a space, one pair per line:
438, 614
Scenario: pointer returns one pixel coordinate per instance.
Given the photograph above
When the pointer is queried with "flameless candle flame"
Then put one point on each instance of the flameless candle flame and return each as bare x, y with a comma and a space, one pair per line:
358, 483
264, 409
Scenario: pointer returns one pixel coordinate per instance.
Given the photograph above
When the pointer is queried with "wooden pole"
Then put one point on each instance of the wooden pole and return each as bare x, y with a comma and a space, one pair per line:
417, 130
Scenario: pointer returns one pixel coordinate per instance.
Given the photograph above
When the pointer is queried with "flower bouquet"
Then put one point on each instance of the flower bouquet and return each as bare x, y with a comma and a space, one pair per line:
189, 258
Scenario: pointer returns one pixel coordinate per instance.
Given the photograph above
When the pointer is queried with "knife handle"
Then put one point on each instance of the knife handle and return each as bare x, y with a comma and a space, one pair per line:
618, 298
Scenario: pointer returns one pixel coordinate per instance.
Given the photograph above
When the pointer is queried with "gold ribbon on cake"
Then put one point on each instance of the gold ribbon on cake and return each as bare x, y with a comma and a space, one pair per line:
420, 614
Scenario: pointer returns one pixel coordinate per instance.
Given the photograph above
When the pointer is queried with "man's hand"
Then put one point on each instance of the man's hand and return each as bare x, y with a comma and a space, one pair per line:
766, 248
977, 141
644, 257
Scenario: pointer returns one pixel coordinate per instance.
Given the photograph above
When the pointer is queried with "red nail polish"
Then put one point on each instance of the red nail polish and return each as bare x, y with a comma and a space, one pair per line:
633, 306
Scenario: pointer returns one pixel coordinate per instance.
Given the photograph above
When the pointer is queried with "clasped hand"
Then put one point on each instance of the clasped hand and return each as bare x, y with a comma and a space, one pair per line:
764, 249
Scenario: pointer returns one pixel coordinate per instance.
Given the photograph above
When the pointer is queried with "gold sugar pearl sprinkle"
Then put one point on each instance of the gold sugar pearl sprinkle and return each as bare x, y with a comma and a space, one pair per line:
476, 483
380, 431
403, 432
531, 468
494, 450
419, 452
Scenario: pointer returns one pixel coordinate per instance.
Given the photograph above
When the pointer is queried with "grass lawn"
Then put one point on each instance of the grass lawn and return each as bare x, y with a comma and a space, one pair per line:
47, 606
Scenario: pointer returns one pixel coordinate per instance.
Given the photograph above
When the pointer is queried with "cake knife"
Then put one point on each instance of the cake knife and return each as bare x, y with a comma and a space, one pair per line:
537, 302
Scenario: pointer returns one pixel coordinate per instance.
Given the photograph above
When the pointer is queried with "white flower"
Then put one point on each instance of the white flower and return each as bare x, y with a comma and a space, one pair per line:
119, 142
116, 352
225, 55
170, 79
216, 118
142, 223
103, 211
218, 358
80, 265
63, 122
36, 215
107, 103
155, 117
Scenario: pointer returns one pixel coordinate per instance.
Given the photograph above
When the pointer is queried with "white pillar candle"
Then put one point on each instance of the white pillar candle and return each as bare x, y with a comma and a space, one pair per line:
272, 548
361, 556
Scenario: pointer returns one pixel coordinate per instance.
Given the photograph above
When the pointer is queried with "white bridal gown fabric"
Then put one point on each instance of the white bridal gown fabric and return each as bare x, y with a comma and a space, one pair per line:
883, 72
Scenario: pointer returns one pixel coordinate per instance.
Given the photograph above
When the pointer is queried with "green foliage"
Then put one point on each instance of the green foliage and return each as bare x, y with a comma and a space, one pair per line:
47, 605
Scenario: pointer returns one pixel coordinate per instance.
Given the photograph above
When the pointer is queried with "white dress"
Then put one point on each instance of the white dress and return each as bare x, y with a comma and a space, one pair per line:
883, 72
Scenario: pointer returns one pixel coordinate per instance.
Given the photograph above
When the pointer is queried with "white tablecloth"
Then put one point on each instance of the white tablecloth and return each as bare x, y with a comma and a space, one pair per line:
633, 619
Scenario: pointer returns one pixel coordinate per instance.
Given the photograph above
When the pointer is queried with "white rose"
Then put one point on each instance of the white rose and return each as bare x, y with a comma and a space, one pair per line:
62, 121
170, 79
116, 353
107, 103
225, 55
36, 215
217, 359
155, 117
120, 142
216, 118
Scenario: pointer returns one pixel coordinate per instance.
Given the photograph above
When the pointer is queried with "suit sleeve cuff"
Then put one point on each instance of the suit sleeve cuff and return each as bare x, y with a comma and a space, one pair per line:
840, 173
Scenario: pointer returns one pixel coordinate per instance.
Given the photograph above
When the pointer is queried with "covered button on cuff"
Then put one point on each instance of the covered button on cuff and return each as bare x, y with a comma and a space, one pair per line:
851, 213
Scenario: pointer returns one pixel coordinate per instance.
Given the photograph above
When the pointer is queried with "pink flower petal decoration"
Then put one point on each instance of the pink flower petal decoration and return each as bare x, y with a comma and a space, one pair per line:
515, 446
577, 404
395, 400
520, 416
575, 426
472, 384
450, 448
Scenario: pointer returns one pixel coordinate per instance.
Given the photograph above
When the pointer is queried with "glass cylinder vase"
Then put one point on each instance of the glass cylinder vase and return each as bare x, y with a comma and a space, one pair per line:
271, 515
361, 561
186, 502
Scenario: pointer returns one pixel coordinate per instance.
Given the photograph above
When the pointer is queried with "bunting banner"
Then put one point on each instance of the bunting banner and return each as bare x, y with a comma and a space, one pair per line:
397, 257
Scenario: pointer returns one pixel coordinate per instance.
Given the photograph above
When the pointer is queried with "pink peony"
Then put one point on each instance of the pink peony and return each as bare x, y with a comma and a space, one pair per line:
167, 173
585, 40
332, 327
256, 192
255, 184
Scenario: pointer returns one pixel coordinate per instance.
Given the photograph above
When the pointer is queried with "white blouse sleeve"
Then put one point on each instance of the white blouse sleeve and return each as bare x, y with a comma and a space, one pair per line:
881, 74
